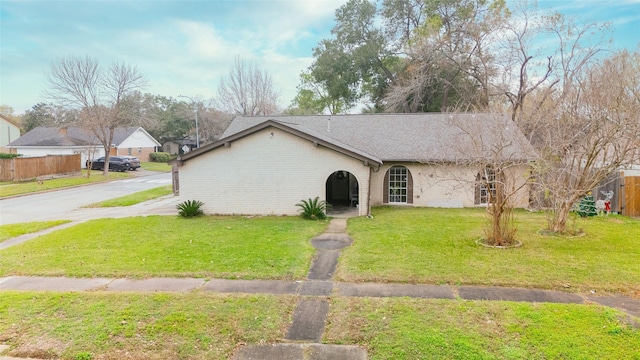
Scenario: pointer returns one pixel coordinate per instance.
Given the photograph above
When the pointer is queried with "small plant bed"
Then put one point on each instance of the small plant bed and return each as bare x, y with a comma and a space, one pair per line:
438, 246
485, 243
19, 188
135, 198
444, 329
12, 230
101, 325
170, 246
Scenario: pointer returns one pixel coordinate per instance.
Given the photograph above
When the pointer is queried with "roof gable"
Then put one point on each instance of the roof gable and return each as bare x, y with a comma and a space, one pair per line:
310, 135
71, 136
10, 121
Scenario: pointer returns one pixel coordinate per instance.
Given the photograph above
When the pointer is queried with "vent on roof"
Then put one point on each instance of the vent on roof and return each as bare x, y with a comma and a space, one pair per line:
329, 125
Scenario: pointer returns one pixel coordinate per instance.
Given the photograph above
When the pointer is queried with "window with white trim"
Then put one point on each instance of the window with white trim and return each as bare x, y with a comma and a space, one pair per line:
485, 186
398, 184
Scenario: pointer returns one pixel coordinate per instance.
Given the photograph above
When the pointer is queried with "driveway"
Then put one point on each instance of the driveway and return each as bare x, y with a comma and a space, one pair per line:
68, 203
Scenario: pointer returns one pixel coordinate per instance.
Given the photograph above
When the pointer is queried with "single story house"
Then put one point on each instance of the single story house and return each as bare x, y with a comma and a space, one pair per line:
266, 165
176, 147
9, 130
43, 141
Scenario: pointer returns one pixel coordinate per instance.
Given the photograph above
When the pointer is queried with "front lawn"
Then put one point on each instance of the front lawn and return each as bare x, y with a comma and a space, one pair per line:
395, 328
9, 231
19, 188
420, 245
170, 246
99, 325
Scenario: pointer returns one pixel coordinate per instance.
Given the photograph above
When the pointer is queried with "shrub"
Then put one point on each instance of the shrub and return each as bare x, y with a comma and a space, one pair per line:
162, 157
9, 156
190, 208
313, 209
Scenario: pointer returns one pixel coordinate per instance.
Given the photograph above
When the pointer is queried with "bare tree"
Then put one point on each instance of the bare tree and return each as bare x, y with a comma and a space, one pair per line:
98, 93
592, 131
492, 157
248, 90
213, 122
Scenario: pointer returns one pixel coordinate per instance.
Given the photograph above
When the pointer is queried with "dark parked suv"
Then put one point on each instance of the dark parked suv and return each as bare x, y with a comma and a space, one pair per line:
116, 163
134, 162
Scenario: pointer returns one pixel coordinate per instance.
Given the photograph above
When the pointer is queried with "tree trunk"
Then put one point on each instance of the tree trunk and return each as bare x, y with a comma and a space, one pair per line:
559, 222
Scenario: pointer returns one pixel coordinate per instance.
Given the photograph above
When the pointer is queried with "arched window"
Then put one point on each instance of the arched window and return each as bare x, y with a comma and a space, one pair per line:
485, 186
398, 186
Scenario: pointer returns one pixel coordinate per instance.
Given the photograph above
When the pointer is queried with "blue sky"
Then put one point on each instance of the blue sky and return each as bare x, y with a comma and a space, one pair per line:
185, 47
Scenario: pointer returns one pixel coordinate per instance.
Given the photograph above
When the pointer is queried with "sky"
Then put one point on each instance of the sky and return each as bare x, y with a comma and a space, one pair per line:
186, 47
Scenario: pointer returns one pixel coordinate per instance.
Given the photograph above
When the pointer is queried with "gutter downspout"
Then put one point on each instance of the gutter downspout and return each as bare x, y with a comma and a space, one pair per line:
369, 193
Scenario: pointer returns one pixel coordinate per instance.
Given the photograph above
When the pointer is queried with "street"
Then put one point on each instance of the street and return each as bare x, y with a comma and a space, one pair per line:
68, 203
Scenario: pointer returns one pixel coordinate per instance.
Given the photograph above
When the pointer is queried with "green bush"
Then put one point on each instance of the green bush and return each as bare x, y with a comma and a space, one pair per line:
9, 156
313, 209
161, 157
190, 208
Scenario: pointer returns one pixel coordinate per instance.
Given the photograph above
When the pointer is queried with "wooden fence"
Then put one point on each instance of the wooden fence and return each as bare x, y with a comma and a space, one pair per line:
28, 168
631, 196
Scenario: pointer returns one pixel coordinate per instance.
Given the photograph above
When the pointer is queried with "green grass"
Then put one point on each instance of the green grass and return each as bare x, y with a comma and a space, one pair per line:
135, 198
156, 166
195, 325
19, 188
394, 328
209, 246
12, 230
419, 245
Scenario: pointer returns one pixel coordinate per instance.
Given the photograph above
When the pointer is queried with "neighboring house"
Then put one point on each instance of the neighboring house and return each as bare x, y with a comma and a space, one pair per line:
9, 130
43, 141
265, 165
176, 147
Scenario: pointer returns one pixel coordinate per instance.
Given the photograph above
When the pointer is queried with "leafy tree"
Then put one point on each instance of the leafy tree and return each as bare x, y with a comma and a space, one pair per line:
7, 110
358, 63
47, 115
314, 98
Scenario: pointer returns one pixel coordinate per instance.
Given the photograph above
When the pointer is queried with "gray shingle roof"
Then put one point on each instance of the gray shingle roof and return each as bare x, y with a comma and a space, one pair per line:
425, 137
49, 136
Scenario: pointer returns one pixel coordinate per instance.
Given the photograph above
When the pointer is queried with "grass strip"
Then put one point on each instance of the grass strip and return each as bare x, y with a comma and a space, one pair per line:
19, 188
170, 246
421, 245
12, 230
135, 198
394, 328
101, 325
155, 166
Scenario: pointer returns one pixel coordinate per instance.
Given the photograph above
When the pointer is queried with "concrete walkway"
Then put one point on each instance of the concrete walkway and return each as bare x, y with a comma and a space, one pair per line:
302, 339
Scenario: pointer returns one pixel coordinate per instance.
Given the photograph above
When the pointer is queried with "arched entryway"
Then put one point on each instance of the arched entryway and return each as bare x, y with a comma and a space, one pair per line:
342, 190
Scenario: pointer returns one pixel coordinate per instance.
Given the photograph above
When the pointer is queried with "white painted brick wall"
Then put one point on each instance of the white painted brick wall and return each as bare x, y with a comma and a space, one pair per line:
444, 185
265, 174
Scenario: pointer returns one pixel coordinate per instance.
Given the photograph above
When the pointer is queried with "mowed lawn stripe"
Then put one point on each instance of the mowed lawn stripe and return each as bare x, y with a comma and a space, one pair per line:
419, 245
99, 325
400, 328
170, 246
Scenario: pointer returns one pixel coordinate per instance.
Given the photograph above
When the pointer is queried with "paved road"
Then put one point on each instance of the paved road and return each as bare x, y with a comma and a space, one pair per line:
67, 203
